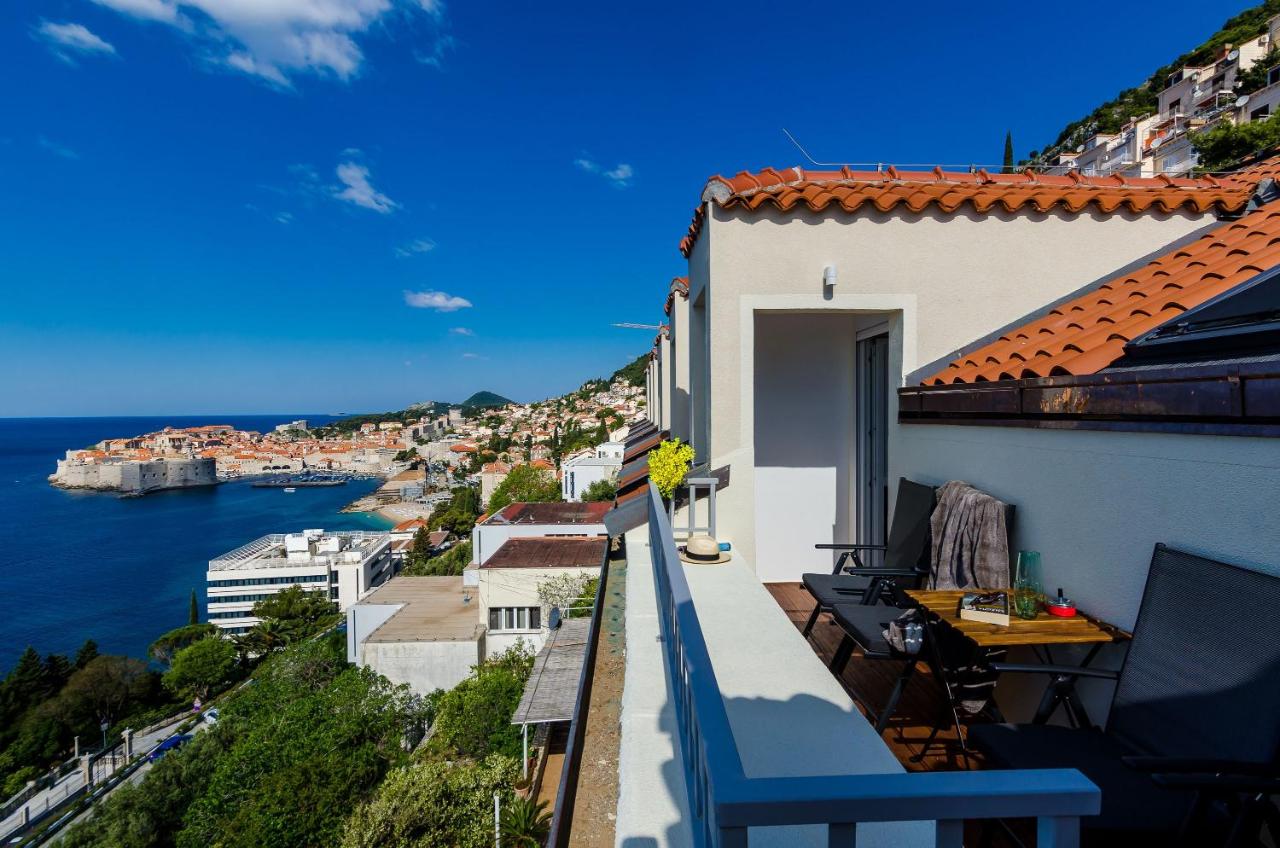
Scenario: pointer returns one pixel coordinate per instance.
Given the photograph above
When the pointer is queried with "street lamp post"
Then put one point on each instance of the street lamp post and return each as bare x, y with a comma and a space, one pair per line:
104, 727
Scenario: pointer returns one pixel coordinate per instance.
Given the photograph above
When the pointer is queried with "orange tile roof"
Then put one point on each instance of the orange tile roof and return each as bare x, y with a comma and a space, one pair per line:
795, 188
1087, 334
680, 286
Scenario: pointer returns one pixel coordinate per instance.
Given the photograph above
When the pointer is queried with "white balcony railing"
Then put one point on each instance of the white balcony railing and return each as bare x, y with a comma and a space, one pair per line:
724, 802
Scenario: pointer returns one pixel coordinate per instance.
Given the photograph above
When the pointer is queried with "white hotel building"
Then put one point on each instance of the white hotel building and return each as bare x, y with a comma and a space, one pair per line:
344, 565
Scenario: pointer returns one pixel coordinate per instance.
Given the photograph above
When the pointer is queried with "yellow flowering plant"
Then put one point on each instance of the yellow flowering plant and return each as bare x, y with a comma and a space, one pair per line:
669, 462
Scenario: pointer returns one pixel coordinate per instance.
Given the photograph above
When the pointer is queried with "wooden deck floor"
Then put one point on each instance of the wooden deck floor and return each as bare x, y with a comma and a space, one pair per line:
921, 704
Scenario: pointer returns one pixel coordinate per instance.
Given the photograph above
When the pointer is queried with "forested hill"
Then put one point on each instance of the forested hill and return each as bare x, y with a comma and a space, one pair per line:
484, 400
1133, 102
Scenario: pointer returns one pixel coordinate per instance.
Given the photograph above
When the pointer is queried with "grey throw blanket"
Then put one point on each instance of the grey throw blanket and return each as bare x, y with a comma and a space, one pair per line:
970, 540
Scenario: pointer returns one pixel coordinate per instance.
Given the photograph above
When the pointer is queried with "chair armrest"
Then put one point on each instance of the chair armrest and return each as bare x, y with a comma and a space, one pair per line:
1065, 670
1197, 765
851, 547
866, 571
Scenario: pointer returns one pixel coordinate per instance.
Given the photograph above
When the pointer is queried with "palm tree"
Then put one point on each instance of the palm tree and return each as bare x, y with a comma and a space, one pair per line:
525, 824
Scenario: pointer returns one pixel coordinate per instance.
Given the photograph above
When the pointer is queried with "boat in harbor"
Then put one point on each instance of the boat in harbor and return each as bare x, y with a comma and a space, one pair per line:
303, 481
288, 489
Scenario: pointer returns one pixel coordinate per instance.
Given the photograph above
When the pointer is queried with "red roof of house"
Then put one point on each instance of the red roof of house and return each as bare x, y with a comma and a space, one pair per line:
555, 512
1087, 334
549, 552
795, 188
411, 524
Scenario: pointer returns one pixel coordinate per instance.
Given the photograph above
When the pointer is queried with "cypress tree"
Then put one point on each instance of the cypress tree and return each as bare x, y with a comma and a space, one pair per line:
193, 615
1008, 153
87, 653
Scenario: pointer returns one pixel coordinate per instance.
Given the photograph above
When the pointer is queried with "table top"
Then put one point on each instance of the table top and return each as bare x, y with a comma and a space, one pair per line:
1044, 629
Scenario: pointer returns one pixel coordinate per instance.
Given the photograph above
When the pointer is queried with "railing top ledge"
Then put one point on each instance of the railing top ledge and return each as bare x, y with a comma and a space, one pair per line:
713, 721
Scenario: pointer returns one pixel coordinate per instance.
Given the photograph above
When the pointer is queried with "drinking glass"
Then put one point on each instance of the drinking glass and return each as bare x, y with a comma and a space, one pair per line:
1027, 589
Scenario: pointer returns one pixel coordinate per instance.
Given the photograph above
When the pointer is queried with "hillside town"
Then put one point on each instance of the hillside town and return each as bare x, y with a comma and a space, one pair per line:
456, 446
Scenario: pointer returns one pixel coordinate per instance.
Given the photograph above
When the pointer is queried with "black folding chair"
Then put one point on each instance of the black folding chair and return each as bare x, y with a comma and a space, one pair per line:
1190, 753
960, 668
906, 557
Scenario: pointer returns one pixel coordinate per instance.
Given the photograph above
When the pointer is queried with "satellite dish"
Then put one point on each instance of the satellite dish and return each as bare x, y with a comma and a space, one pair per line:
1233, 55
1156, 143
1243, 99
1080, 149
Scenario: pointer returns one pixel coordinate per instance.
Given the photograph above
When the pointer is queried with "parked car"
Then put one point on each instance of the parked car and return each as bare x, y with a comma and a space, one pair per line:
172, 743
211, 716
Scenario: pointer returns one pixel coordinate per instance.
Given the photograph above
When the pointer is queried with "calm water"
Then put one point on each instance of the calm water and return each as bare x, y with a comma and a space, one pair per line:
120, 570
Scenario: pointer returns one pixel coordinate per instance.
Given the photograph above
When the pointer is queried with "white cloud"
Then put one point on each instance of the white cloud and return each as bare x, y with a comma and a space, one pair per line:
358, 190
422, 245
69, 37
437, 300
284, 217
462, 331
57, 149
619, 175
274, 40
473, 356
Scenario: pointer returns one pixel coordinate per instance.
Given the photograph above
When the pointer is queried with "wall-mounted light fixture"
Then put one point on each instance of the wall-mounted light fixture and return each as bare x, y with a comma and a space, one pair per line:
829, 275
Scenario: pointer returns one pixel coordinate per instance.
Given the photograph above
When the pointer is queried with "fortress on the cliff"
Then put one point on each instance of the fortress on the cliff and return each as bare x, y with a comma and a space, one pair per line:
133, 476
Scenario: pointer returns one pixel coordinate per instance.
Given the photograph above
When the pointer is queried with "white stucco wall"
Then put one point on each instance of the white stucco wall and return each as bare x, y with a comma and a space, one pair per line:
679, 414
517, 587
942, 281
424, 666
1095, 503
804, 439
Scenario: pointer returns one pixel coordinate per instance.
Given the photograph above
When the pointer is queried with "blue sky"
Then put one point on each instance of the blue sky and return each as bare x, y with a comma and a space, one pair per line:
345, 205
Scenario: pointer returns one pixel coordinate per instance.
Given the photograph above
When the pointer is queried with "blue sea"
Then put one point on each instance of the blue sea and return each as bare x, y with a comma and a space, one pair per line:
79, 565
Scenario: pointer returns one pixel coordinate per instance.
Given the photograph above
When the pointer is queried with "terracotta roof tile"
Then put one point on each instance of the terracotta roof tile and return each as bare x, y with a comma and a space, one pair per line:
795, 188
680, 286
1087, 334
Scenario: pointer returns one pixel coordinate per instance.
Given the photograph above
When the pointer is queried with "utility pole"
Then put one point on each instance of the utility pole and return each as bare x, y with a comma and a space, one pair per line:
497, 814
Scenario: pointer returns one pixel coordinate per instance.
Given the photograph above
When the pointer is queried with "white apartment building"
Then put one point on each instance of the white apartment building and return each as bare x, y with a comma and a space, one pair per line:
421, 631
509, 579
345, 565
580, 471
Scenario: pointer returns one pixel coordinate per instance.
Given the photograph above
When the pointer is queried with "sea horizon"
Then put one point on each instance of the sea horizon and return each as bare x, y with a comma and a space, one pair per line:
80, 565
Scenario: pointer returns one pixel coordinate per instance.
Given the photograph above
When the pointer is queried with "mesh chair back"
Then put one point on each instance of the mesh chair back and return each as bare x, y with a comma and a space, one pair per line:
908, 542
1202, 677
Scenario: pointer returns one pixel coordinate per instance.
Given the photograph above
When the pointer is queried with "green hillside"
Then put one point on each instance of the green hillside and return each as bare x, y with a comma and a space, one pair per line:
484, 400
1133, 102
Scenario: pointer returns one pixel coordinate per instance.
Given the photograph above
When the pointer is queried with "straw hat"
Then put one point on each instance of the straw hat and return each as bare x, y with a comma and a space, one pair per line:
703, 550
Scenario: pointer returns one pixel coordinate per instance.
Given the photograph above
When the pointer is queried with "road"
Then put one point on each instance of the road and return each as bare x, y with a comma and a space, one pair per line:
71, 783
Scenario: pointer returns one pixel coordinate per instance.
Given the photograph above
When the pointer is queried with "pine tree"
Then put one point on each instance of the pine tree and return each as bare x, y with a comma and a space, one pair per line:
193, 615
87, 653
1008, 153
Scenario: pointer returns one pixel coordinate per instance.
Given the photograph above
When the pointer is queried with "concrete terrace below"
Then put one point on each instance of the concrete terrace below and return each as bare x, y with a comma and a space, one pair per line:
789, 715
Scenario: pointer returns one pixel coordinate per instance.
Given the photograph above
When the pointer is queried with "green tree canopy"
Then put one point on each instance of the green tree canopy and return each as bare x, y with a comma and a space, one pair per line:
601, 490
525, 484
449, 564
107, 685
473, 719
163, 648
289, 616
1227, 144
87, 653
193, 609
434, 804
202, 667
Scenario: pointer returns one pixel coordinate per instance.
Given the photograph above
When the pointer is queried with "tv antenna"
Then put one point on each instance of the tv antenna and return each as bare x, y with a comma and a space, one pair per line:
627, 325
